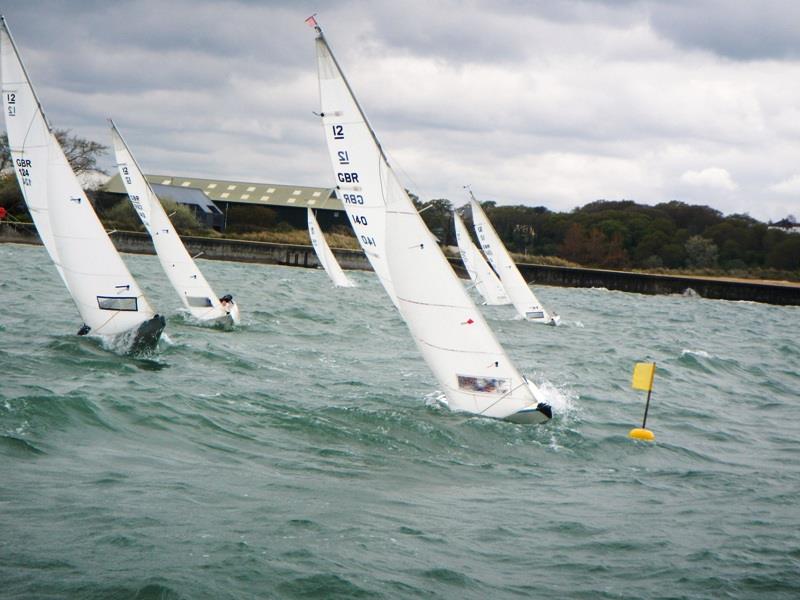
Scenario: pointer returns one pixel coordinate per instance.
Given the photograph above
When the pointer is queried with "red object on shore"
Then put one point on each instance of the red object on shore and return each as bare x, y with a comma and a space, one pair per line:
3, 212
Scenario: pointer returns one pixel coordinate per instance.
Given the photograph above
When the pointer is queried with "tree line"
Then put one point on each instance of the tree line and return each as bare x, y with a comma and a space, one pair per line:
622, 234
618, 234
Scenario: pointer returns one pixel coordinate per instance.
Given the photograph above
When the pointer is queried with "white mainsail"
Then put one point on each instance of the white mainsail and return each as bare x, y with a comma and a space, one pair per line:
325, 255
522, 297
106, 295
481, 274
472, 368
194, 290
358, 164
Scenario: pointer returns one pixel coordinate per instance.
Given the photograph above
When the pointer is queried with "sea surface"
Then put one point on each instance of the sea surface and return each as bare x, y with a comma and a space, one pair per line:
303, 455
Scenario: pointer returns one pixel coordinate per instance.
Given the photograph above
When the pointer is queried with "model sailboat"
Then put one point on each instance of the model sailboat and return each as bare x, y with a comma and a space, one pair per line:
190, 284
471, 367
105, 293
522, 297
481, 274
325, 255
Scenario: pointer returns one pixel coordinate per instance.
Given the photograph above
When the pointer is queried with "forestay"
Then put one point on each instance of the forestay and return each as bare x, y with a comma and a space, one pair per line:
108, 299
471, 367
522, 297
325, 255
190, 284
481, 274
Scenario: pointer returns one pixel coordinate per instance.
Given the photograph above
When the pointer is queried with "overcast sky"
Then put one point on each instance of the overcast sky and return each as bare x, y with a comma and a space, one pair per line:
555, 103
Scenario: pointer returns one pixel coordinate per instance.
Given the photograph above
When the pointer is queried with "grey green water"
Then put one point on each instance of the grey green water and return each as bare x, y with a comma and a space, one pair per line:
303, 456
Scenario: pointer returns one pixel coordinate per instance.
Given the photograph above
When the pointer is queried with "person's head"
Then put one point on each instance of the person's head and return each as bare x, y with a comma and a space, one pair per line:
227, 298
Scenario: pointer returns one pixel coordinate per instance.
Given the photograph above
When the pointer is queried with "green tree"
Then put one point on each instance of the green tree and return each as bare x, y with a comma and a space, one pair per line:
785, 254
701, 252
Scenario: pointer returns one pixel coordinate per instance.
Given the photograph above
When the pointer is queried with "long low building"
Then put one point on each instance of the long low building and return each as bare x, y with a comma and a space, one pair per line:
221, 194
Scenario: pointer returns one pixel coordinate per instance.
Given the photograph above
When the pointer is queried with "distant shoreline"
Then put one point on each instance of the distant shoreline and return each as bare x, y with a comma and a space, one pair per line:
298, 255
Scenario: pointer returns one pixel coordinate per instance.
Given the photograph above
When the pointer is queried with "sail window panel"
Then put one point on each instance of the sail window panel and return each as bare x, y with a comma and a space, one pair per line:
124, 303
199, 301
484, 385
537, 314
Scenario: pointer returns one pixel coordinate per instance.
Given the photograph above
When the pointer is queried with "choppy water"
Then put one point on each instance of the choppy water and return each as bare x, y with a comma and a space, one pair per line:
301, 456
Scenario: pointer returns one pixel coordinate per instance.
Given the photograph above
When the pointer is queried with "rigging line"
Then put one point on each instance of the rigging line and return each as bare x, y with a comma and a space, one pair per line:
420, 191
505, 396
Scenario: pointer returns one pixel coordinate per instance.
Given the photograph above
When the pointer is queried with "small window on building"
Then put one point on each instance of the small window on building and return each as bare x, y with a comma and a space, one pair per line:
167, 182
316, 194
312, 201
245, 196
252, 188
126, 303
291, 201
231, 187
265, 198
296, 193
211, 186
186, 184
224, 195
270, 190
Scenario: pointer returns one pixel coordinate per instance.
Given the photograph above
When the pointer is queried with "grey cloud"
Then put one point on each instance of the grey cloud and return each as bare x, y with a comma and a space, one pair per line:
767, 29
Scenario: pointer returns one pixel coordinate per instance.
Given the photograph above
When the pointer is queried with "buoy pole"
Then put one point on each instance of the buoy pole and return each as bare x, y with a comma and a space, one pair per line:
646, 408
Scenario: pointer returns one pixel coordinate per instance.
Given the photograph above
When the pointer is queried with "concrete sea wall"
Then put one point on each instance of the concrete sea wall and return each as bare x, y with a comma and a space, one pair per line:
304, 256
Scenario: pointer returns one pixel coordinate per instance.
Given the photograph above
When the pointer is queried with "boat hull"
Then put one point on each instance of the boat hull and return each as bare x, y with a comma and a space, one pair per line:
145, 337
533, 415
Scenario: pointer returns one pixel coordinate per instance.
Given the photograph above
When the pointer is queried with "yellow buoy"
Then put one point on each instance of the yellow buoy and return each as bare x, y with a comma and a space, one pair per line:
639, 433
643, 374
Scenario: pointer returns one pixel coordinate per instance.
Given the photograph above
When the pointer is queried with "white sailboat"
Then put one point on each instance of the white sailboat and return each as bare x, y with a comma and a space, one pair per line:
194, 291
481, 274
106, 295
522, 297
325, 255
471, 367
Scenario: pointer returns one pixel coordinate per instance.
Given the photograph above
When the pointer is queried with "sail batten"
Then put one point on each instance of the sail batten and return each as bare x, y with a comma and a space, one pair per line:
471, 367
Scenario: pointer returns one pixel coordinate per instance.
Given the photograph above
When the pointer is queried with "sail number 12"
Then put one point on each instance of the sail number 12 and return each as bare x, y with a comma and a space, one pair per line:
11, 100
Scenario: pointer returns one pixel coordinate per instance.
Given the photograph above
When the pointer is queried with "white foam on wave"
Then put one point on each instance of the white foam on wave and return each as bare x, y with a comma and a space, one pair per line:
561, 401
700, 353
436, 398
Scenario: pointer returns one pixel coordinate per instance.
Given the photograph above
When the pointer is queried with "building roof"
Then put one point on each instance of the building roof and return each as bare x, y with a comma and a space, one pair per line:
245, 192
183, 195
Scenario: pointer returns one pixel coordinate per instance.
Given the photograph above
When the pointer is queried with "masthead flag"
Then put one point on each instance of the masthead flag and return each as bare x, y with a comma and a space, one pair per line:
311, 21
